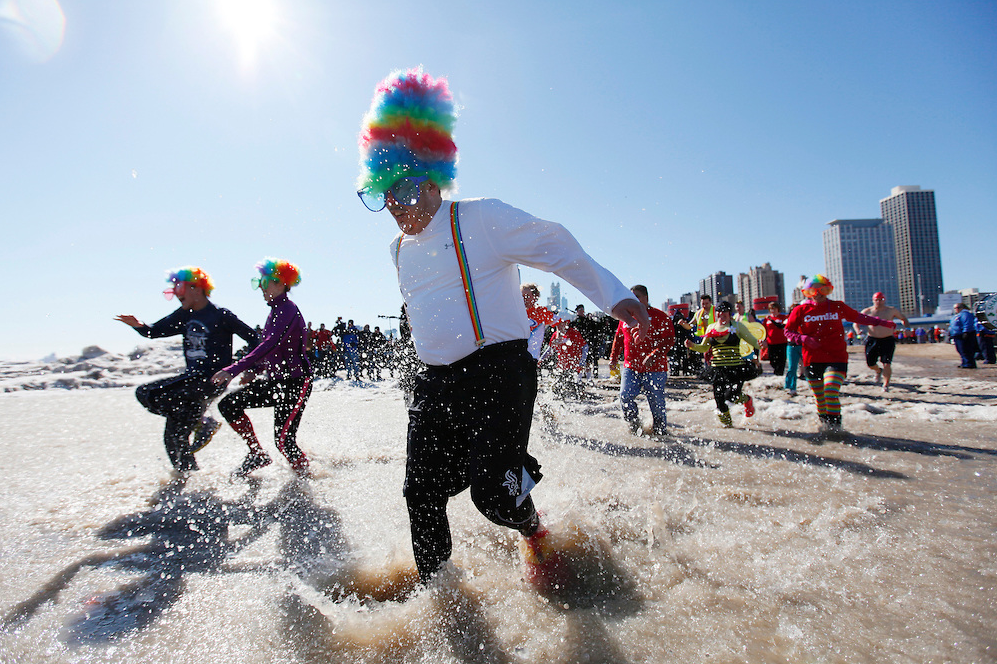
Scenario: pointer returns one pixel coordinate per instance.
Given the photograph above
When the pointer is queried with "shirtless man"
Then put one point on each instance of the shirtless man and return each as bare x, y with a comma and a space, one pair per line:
880, 344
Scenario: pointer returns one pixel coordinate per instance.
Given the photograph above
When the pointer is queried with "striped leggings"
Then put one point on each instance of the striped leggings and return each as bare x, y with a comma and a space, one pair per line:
287, 396
825, 382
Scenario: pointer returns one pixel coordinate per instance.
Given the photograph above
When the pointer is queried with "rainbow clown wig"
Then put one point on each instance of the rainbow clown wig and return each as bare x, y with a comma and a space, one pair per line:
817, 284
407, 132
282, 271
194, 276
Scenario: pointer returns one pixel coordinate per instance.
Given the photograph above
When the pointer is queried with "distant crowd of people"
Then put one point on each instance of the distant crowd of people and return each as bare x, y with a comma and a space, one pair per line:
359, 352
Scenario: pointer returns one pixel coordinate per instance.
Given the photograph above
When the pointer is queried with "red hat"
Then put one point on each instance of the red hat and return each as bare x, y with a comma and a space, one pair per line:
878, 296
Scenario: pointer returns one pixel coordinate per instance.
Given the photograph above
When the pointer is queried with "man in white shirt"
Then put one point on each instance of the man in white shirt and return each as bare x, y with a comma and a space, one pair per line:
458, 272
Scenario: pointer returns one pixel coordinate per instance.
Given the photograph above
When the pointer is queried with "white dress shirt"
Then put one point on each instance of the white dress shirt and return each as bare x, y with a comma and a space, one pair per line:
497, 239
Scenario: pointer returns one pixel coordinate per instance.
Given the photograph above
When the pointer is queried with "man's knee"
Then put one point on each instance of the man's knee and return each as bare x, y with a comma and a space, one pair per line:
142, 394
500, 506
229, 409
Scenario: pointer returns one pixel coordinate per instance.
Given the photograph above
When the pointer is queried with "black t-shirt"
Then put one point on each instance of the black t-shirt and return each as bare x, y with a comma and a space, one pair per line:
589, 328
207, 336
681, 334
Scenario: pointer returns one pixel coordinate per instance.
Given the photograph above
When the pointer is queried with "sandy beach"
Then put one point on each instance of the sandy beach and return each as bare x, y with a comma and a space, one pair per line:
748, 544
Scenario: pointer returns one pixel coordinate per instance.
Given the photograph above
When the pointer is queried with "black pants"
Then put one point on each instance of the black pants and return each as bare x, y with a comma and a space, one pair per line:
986, 344
181, 400
287, 396
469, 426
966, 345
728, 383
777, 358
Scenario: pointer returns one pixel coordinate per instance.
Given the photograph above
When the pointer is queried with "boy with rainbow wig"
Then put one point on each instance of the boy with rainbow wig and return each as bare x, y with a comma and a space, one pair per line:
458, 273
817, 325
285, 382
207, 345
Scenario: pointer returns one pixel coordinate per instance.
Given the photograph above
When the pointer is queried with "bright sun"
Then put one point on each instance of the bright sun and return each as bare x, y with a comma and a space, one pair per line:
252, 24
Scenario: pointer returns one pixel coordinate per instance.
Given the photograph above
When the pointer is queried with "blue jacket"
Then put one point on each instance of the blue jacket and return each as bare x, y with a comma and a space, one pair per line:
962, 322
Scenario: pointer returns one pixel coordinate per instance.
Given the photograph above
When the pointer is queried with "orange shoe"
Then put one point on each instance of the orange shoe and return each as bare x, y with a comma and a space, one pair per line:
545, 568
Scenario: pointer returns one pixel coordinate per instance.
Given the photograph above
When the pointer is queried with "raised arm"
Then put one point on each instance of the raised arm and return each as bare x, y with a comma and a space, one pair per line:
129, 320
634, 314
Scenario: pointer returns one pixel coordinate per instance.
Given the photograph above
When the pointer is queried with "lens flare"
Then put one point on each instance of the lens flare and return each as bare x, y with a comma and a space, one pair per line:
34, 27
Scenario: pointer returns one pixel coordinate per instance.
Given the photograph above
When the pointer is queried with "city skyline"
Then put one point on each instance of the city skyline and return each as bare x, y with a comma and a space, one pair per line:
761, 281
897, 254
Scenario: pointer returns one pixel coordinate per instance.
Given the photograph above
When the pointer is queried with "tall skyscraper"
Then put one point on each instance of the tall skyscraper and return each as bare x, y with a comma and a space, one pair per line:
554, 300
719, 286
798, 289
761, 282
859, 260
911, 214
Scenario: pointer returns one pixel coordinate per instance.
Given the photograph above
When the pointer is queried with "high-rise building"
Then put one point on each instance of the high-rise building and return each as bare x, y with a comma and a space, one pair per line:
859, 260
798, 290
911, 214
761, 282
719, 286
554, 300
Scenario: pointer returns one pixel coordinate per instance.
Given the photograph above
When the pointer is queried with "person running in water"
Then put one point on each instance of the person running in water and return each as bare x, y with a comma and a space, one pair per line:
458, 271
540, 318
571, 350
728, 370
817, 325
207, 344
288, 381
645, 367
880, 342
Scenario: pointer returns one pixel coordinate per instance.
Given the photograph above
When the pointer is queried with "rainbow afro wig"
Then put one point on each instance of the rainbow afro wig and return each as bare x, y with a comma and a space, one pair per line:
407, 132
817, 284
283, 271
192, 275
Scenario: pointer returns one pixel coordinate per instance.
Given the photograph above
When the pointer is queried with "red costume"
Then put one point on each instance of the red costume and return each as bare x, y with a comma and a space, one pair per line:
570, 346
774, 329
655, 345
824, 324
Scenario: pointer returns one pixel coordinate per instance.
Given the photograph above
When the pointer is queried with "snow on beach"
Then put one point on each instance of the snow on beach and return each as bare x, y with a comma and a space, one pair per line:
94, 368
741, 545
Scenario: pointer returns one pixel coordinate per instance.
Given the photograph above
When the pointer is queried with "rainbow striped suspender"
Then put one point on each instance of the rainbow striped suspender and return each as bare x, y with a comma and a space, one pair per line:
465, 274
465, 277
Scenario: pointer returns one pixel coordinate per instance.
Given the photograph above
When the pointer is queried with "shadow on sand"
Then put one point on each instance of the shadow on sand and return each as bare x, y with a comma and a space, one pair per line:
795, 456
675, 453
915, 446
188, 533
679, 454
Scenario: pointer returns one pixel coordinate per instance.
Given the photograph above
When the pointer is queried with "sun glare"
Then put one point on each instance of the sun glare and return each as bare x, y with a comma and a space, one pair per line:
252, 24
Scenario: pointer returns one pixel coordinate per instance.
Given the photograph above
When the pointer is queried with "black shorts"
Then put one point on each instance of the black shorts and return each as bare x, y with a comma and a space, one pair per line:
879, 350
816, 370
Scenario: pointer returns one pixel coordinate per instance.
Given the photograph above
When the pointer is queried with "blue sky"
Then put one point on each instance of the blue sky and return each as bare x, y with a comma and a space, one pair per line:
673, 139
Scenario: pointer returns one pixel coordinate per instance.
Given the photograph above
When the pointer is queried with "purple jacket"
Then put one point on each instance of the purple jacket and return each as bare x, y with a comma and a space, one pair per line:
282, 349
